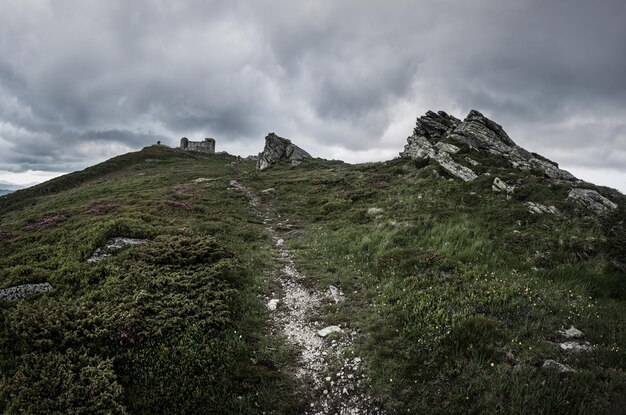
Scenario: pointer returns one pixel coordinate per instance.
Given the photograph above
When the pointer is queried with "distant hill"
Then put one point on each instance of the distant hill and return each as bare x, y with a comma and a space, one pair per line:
467, 276
5, 192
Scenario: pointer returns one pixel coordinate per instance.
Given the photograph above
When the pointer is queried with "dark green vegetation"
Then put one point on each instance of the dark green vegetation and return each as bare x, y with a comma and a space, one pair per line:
459, 292
172, 326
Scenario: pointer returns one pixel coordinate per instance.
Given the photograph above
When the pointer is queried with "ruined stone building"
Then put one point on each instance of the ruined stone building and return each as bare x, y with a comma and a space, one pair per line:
206, 146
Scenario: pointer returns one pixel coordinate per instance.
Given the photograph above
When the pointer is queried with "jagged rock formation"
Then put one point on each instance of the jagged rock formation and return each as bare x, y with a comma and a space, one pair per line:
591, 199
277, 148
434, 131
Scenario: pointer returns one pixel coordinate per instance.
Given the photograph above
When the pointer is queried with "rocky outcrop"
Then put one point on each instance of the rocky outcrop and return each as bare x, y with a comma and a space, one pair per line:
479, 134
20, 291
277, 148
591, 199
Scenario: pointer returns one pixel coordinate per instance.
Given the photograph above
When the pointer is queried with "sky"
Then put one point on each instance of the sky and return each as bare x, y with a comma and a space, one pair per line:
84, 80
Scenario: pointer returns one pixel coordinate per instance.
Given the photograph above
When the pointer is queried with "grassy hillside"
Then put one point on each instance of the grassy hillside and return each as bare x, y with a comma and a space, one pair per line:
167, 327
459, 292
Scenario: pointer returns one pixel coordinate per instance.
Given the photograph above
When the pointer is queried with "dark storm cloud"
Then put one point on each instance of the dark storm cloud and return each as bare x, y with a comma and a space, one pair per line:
84, 80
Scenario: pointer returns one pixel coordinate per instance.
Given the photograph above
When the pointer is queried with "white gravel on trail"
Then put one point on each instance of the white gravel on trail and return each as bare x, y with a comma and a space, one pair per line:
340, 392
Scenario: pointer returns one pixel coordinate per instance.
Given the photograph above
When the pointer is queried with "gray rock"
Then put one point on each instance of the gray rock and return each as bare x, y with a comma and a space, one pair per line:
448, 148
557, 367
418, 147
572, 333
499, 186
272, 304
336, 294
277, 148
280, 242
374, 212
328, 330
454, 168
591, 200
20, 291
538, 208
113, 246
480, 134
572, 346
268, 191
435, 124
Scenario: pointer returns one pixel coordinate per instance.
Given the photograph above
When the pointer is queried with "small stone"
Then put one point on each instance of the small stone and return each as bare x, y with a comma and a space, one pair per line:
575, 347
572, 333
328, 378
500, 186
374, 212
268, 191
280, 242
328, 330
538, 208
272, 304
336, 294
557, 367
472, 161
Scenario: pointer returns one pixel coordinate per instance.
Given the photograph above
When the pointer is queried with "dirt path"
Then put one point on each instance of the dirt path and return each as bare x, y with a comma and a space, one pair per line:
329, 367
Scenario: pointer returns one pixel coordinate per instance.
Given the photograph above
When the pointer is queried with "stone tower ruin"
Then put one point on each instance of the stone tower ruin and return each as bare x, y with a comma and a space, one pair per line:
206, 146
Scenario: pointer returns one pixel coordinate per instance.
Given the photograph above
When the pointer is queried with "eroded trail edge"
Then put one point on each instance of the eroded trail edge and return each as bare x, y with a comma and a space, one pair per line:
329, 368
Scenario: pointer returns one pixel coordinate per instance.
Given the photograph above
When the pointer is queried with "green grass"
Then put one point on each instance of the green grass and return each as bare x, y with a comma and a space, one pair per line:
461, 291
458, 292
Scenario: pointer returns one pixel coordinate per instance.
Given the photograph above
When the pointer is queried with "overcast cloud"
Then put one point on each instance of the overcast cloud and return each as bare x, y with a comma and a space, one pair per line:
81, 81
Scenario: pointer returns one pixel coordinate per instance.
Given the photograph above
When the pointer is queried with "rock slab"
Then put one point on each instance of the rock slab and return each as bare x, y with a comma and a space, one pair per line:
20, 291
538, 208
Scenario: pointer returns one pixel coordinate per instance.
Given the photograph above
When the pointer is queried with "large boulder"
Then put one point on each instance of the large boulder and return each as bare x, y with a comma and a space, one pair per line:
480, 134
277, 148
591, 199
